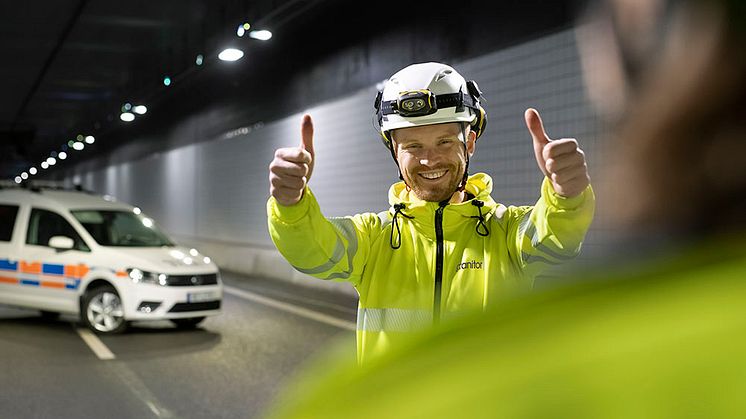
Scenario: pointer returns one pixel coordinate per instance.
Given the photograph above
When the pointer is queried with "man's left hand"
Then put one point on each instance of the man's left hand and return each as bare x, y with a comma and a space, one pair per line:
561, 161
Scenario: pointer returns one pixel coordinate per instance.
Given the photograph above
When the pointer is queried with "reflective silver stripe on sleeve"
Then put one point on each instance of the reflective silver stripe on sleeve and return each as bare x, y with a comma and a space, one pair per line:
384, 217
336, 257
528, 228
393, 319
346, 227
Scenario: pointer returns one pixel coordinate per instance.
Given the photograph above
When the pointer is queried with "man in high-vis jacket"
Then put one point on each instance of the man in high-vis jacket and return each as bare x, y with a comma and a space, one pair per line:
445, 246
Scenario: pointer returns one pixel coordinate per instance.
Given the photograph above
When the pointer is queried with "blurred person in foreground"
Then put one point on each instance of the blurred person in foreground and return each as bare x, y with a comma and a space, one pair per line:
445, 247
655, 336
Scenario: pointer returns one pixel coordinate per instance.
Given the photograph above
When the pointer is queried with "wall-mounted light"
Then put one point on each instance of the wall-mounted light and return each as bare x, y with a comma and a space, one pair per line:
126, 117
32, 171
44, 165
78, 146
90, 139
62, 155
140, 109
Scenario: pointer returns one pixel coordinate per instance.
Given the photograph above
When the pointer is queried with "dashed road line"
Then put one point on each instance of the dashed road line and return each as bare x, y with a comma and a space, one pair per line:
290, 308
93, 342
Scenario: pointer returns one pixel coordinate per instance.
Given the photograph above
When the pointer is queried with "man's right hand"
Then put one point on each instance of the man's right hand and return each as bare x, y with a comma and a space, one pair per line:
290, 170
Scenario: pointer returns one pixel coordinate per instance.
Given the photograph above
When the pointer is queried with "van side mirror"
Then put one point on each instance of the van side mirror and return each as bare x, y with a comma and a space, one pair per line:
61, 243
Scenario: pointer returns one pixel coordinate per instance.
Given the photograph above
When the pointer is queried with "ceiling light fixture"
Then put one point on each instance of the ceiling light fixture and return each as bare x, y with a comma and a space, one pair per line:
262, 35
230, 54
126, 117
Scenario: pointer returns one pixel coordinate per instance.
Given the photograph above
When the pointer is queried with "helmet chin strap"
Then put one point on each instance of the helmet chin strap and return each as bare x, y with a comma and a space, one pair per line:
462, 185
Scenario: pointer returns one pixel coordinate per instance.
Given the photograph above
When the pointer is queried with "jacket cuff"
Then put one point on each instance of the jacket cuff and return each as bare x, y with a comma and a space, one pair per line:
558, 201
290, 214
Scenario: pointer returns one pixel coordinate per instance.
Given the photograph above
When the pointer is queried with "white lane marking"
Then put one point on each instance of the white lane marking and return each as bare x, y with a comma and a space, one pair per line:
290, 308
93, 342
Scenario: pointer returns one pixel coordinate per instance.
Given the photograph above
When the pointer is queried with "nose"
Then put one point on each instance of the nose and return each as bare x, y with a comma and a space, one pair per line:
429, 157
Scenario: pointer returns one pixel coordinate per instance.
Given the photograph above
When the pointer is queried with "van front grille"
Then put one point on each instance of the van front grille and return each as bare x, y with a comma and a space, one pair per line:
191, 280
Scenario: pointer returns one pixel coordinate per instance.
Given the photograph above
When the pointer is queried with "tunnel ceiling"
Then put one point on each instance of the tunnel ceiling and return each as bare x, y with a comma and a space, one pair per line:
70, 65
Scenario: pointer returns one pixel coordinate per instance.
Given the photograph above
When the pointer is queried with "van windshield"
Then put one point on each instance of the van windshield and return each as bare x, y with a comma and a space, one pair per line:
121, 228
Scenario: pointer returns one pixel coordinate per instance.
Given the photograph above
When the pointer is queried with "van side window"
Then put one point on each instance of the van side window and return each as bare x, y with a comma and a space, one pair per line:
43, 225
7, 221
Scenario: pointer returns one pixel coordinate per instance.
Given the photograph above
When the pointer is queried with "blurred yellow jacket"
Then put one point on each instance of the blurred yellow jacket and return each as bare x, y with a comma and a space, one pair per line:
658, 338
422, 261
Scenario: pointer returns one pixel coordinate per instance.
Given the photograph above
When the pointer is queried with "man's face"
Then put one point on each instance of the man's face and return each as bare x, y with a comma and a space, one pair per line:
431, 158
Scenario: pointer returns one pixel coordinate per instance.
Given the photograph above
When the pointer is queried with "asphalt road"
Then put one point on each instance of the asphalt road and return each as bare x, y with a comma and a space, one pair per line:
230, 367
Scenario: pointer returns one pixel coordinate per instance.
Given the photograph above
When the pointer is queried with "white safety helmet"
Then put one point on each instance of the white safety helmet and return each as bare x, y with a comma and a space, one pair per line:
427, 94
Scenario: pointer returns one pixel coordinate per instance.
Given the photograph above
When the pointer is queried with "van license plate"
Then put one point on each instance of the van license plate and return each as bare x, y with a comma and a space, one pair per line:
198, 297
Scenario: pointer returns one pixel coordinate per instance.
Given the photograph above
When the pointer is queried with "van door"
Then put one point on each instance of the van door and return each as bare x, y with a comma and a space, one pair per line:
52, 276
9, 286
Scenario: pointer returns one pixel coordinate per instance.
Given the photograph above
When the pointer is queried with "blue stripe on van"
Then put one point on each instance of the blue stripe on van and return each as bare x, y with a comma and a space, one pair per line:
7, 265
52, 269
30, 282
71, 286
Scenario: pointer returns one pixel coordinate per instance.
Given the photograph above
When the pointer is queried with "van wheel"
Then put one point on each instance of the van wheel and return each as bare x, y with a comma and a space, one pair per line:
102, 310
188, 323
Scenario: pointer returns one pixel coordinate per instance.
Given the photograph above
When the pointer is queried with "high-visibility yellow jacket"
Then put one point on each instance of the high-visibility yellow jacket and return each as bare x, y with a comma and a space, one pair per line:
424, 261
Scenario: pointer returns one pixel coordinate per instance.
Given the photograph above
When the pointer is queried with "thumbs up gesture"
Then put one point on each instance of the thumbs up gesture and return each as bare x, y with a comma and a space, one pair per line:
561, 161
290, 170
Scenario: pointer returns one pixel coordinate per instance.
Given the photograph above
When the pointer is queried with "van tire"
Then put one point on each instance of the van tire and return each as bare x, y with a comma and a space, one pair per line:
102, 310
187, 323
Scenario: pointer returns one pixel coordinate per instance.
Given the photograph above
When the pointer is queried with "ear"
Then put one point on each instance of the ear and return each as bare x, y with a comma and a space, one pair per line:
471, 142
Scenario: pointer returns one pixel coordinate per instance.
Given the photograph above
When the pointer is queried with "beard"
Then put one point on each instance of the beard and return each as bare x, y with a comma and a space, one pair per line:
440, 190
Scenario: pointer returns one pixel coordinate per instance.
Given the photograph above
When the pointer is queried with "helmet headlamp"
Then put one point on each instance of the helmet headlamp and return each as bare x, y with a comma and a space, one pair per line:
416, 103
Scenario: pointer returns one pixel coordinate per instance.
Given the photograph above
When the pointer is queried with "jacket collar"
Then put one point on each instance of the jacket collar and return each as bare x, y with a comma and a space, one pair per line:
479, 185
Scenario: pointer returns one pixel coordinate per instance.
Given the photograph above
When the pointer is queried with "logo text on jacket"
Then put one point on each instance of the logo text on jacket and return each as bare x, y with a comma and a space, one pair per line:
472, 264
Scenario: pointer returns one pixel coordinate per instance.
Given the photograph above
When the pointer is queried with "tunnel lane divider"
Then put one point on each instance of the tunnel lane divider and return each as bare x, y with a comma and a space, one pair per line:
290, 308
102, 351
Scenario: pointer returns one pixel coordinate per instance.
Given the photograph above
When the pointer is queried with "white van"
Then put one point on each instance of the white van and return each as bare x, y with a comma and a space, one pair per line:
64, 251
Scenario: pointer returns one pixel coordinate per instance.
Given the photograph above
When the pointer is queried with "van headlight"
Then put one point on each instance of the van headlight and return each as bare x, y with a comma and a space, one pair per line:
139, 276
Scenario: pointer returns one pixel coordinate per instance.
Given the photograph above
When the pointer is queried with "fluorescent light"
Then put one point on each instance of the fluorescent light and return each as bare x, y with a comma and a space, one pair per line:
62, 155
261, 35
140, 109
90, 139
78, 146
32, 170
24, 175
51, 161
127, 116
18, 179
230, 54
44, 165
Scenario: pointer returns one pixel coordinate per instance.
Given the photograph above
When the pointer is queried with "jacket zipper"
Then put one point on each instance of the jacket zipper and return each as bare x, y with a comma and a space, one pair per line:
438, 260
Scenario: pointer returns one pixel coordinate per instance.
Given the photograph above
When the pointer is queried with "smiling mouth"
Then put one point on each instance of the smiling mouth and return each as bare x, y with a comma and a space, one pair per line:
432, 175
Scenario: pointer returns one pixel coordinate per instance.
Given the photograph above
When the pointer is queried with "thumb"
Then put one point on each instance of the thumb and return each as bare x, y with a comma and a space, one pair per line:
536, 128
306, 133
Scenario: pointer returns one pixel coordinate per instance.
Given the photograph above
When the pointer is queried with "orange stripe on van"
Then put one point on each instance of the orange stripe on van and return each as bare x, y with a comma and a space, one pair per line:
7, 280
51, 284
122, 274
82, 271
30, 268
71, 271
